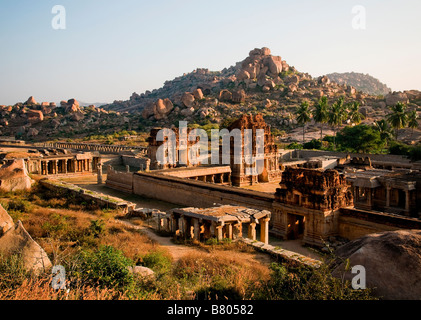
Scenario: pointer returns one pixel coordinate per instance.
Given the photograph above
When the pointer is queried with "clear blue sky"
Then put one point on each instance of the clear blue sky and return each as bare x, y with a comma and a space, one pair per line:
113, 48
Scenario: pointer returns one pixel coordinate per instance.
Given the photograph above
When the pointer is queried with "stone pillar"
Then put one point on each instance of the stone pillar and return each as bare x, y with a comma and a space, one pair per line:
355, 194
55, 167
65, 166
369, 197
46, 167
196, 230
252, 231
221, 178
264, 230
173, 224
387, 196
407, 201
127, 168
181, 226
212, 229
148, 165
229, 178
238, 230
219, 232
99, 174
212, 178
229, 226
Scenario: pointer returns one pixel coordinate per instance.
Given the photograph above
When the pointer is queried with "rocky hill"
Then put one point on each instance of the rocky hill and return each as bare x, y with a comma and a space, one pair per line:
261, 83
361, 82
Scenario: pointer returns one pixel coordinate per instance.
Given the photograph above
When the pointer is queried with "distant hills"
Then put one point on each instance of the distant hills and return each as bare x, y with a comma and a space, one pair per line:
361, 82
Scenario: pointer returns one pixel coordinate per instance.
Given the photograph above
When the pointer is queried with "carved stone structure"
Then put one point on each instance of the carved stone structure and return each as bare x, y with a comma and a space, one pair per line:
184, 150
307, 204
387, 191
270, 156
48, 162
223, 222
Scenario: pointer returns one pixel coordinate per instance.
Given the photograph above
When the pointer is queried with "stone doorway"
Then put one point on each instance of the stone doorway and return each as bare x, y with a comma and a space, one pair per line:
296, 227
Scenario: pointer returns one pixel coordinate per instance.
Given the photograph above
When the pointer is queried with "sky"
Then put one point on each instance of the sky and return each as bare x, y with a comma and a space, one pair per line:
110, 49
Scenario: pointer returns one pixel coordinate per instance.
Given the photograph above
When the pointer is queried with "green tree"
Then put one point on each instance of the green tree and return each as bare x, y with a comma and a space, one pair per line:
337, 114
385, 131
303, 115
413, 121
354, 113
321, 113
360, 138
398, 118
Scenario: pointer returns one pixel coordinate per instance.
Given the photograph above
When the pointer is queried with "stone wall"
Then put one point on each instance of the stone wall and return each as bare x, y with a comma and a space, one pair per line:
122, 181
103, 201
196, 193
375, 158
354, 223
133, 161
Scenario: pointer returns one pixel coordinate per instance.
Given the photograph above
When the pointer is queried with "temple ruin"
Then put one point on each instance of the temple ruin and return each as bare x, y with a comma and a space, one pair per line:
53, 162
223, 222
271, 170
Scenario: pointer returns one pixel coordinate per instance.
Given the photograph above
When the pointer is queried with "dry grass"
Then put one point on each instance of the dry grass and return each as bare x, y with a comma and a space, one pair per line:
40, 289
224, 270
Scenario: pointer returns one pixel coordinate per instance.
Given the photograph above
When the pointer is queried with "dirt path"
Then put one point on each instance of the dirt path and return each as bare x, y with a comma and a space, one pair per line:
177, 251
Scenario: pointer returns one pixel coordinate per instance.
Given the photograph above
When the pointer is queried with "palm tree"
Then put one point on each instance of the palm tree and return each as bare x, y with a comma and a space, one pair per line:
321, 113
413, 121
398, 118
303, 115
337, 114
385, 131
354, 113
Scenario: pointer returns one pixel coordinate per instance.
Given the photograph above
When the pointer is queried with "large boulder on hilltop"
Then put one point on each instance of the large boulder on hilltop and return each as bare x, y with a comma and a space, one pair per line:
18, 241
162, 108
225, 95
392, 261
274, 63
35, 116
72, 106
187, 112
395, 97
6, 221
243, 75
73, 101
159, 110
198, 94
324, 80
31, 100
14, 176
188, 99
413, 94
259, 52
239, 96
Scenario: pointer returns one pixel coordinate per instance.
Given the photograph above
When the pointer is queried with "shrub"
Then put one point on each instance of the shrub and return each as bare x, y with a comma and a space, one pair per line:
19, 205
107, 267
313, 144
294, 145
12, 272
97, 228
301, 283
157, 261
